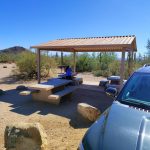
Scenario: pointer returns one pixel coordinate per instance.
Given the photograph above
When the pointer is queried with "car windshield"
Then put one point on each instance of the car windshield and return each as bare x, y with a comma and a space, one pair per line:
137, 90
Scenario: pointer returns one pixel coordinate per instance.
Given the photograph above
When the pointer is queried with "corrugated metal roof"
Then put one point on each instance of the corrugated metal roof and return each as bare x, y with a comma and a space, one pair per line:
109, 43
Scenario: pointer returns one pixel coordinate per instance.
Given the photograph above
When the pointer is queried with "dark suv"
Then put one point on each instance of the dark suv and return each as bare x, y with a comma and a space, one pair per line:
126, 124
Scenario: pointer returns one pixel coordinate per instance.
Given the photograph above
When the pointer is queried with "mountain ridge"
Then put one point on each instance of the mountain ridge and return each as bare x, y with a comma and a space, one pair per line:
14, 50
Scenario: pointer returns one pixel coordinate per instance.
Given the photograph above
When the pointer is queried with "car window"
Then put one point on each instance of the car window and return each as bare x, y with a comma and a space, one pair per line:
138, 88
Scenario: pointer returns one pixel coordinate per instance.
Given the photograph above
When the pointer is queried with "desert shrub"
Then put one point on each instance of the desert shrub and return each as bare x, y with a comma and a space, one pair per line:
114, 67
7, 58
3, 58
97, 73
27, 65
84, 63
104, 73
67, 60
47, 66
106, 64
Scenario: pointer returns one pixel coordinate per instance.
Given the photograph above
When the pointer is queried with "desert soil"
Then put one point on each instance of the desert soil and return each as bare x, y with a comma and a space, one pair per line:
63, 125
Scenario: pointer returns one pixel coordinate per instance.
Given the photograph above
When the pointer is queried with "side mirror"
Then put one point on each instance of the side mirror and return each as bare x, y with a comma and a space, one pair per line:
111, 91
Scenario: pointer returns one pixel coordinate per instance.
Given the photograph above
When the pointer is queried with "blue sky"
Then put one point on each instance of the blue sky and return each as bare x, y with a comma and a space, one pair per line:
30, 22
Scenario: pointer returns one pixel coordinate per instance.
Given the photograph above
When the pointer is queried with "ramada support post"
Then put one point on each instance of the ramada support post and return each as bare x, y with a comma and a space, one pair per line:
134, 57
38, 65
130, 61
122, 68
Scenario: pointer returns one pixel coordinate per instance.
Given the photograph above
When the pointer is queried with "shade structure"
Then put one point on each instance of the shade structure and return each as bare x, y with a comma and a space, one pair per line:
91, 44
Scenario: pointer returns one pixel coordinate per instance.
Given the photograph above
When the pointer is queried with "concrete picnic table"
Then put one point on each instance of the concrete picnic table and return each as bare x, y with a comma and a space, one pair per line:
114, 82
50, 84
51, 91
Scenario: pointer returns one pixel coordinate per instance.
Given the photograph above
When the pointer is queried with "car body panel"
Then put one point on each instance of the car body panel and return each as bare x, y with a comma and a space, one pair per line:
94, 137
123, 128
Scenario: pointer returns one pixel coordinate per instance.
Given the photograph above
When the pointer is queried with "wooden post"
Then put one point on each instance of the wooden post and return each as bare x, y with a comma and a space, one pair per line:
128, 60
74, 61
122, 69
38, 66
130, 63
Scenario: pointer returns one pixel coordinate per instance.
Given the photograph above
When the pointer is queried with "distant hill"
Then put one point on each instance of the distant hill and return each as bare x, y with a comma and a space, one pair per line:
14, 50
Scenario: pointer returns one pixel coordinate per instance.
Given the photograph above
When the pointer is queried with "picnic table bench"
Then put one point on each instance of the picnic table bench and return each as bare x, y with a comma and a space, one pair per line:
51, 91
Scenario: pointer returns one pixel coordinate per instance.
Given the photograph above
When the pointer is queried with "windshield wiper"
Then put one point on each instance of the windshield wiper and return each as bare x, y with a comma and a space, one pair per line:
136, 103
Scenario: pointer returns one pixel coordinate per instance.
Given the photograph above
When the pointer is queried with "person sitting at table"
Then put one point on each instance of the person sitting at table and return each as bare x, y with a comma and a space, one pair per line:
68, 73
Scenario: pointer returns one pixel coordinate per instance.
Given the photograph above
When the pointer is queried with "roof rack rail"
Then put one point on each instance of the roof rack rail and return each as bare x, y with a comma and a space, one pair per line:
146, 65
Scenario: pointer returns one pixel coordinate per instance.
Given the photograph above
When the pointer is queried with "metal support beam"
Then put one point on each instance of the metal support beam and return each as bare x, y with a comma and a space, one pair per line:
74, 61
122, 68
38, 66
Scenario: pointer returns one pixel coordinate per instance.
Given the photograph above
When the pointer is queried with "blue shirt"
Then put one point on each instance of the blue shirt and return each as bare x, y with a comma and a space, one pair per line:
68, 72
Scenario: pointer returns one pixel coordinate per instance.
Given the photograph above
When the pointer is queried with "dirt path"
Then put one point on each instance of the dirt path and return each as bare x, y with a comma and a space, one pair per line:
6, 72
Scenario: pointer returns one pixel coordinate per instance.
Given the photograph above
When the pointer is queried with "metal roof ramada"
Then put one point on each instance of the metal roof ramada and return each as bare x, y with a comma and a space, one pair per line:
91, 44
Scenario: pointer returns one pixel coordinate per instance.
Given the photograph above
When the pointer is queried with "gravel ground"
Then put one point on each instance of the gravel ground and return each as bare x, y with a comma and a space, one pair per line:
63, 125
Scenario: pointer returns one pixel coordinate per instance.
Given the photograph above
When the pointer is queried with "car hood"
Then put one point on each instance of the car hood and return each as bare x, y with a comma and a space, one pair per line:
126, 128
120, 127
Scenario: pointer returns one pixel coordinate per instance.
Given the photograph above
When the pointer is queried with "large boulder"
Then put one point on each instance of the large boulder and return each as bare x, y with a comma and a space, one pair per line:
25, 136
88, 112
